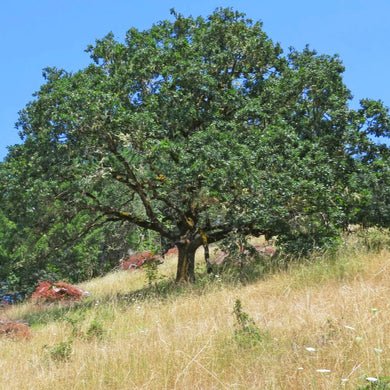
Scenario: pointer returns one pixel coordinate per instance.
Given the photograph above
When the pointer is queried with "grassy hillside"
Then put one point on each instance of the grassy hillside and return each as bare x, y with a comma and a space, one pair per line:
319, 324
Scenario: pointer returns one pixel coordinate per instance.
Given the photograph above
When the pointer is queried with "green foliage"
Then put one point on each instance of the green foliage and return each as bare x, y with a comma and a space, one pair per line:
95, 330
74, 320
151, 271
246, 332
60, 352
196, 127
375, 239
383, 383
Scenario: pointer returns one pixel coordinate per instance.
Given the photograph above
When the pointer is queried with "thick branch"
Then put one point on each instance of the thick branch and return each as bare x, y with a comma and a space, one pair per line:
137, 187
95, 224
126, 216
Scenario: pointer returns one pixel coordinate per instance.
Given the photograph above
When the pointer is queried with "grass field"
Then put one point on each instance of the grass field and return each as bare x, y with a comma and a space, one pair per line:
318, 324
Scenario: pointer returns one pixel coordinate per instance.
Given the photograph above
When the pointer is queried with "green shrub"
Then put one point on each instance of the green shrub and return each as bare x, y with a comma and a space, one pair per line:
60, 352
375, 239
95, 330
246, 332
383, 383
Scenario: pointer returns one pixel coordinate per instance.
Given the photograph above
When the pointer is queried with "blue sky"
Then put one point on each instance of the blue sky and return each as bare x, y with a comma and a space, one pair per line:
41, 33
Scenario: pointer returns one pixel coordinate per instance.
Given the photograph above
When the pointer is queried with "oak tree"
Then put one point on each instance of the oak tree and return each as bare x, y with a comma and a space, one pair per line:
197, 129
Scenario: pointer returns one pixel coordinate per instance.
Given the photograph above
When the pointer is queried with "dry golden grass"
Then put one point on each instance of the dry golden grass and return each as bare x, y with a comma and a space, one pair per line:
327, 315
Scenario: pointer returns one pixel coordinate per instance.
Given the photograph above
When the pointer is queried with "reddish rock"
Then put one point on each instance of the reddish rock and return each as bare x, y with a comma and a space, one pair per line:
15, 330
172, 251
262, 250
139, 259
265, 250
220, 257
56, 292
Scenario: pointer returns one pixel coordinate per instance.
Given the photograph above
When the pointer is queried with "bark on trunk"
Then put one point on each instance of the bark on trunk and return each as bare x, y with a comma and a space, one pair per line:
186, 262
207, 259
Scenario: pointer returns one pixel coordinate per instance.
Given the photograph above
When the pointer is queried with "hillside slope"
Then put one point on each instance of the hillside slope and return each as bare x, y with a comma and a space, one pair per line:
323, 324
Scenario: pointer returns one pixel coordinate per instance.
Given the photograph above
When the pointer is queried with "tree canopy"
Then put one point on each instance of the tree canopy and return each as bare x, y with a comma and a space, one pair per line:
197, 129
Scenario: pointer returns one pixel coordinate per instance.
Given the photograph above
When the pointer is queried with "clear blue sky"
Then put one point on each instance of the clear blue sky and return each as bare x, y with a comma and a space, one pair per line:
41, 33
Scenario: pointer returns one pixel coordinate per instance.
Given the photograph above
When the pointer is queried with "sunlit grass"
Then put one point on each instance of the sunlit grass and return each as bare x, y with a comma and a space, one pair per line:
326, 323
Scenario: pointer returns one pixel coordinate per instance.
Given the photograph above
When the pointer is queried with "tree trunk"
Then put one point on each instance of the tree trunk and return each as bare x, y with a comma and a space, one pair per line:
207, 259
186, 262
